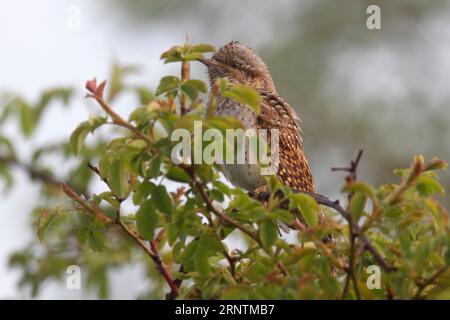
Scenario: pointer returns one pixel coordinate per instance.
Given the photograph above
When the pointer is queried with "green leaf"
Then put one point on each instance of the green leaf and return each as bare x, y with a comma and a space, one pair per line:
147, 220
167, 84
45, 222
258, 271
211, 245
245, 95
198, 84
222, 187
192, 87
192, 56
357, 204
117, 178
308, 207
142, 191
79, 135
201, 263
162, 200
145, 95
155, 167
28, 118
189, 90
428, 186
177, 174
172, 55
202, 47
283, 215
361, 187
268, 233
92, 234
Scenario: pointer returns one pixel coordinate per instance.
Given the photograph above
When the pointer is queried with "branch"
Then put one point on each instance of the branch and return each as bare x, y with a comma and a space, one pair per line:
185, 74
425, 283
96, 92
152, 252
34, 173
351, 275
353, 167
346, 215
208, 202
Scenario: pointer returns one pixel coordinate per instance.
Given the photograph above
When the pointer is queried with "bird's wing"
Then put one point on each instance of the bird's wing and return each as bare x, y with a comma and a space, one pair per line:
293, 168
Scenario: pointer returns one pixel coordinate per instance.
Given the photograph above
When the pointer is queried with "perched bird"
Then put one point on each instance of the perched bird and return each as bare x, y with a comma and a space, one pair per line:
240, 64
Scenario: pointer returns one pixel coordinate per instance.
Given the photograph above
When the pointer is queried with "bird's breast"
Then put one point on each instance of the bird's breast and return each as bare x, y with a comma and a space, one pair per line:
246, 175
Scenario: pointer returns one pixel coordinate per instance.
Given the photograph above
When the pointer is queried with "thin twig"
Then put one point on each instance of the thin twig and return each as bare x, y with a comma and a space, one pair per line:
83, 203
351, 274
208, 202
119, 120
35, 173
185, 74
154, 255
322, 200
353, 166
425, 283
152, 251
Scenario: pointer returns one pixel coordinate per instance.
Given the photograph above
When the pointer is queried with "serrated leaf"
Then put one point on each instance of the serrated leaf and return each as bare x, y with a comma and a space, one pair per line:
257, 271
222, 187
211, 245
189, 90
192, 56
245, 95
428, 186
308, 207
283, 215
142, 191
172, 55
154, 167
177, 174
202, 47
268, 232
192, 87
44, 223
91, 235
168, 83
359, 186
201, 263
79, 135
118, 179
147, 220
198, 84
357, 204
162, 200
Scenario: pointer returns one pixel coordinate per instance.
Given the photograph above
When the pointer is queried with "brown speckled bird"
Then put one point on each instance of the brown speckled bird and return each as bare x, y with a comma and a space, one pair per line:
240, 64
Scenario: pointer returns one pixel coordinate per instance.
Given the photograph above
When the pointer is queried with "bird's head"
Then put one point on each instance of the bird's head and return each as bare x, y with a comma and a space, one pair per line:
239, 64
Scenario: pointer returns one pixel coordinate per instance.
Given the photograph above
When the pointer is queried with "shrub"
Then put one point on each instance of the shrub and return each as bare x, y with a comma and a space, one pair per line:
206, 240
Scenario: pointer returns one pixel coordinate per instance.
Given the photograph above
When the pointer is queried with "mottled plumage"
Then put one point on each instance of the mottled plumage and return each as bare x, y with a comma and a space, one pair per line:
239, 64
